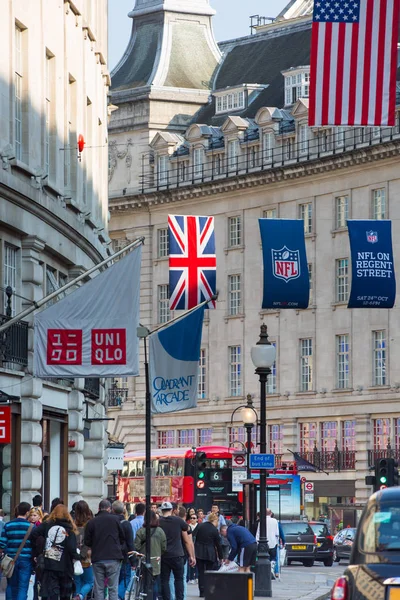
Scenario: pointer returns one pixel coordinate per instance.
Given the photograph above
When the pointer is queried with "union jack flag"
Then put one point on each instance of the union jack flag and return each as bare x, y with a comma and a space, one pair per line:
192, 260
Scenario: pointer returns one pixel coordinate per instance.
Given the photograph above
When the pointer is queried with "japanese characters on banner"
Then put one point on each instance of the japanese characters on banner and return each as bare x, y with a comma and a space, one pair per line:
286, 279
174, 354
5, 424
373, 283
92, 331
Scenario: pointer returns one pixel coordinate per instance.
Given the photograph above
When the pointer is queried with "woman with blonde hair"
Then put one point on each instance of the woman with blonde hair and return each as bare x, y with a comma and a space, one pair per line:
35, 516
207, 548
58, 533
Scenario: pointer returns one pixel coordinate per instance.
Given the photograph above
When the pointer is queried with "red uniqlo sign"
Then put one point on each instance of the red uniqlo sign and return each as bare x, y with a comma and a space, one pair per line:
5, 425
64, 347
108, 346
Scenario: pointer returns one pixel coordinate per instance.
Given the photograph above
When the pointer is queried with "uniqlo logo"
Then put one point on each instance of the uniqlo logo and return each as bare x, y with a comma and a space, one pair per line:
64, 346
5, 425
108, 346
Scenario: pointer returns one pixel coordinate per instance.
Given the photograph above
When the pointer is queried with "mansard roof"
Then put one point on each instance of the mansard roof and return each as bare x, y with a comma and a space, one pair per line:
260, 59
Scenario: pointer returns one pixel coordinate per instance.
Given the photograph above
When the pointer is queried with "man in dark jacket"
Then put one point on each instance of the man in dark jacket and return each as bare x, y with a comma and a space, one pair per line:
207, 548
243, 545
104, 535
125, 574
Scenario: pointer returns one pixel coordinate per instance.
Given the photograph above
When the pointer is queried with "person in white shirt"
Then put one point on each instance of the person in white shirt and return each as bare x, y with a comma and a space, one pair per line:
272, 534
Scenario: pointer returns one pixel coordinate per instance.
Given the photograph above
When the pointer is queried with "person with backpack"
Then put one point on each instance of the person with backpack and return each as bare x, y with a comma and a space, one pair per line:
60, 552
83, 583
158, 545
15, 544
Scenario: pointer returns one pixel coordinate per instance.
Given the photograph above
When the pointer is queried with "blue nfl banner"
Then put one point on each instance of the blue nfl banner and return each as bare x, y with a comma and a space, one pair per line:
373, 282
286, 279
174, 354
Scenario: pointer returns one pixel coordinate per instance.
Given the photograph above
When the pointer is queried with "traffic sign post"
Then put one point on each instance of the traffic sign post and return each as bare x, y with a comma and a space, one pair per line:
309, 486
237, 477
262, 461
238, 461
309, 497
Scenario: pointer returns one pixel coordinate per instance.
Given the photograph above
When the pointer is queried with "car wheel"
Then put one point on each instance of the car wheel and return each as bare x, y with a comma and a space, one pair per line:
308, 563
328, 562
335, 557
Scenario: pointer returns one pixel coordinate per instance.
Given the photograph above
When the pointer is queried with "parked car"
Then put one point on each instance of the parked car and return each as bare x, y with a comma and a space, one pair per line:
324, 550
373, 572
343, 543
300, 542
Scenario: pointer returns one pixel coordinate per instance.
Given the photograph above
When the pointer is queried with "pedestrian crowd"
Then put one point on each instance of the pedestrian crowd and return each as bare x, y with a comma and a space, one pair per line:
62, 554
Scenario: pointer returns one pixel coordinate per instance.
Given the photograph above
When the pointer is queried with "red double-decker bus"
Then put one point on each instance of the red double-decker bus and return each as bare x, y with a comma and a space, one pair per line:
176, 478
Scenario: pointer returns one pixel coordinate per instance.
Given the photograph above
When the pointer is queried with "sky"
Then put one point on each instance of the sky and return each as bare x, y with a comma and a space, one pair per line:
231, 21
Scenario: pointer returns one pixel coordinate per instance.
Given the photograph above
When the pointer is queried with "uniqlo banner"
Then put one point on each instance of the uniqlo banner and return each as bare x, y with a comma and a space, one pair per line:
373, 282
5, 424
174, 354
286, 279
92, 331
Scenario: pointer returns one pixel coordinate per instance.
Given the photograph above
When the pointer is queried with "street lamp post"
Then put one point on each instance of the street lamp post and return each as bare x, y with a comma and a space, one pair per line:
249, 418
263, 357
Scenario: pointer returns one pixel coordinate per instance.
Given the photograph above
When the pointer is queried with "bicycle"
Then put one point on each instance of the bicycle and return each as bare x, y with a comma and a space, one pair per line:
137, 589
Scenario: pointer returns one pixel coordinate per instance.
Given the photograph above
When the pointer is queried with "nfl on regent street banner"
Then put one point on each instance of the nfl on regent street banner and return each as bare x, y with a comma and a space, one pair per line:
174, 353
286, 279
92, 331
373, 283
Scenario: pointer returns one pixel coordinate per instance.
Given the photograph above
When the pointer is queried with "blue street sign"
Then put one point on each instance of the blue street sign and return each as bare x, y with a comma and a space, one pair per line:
262, 461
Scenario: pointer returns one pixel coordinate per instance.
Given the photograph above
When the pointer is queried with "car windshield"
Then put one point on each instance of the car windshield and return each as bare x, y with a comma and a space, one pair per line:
380, 530
295, 528
319, 529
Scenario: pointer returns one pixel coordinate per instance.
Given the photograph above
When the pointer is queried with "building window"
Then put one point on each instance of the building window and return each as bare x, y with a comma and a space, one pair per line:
270, 213
166, 439
218, 104
182, 171
303, 139
229, 101
164, 314
239, 434
271, 381
162, 243
381, 433
234, 295
198, 161
186, 437
306, 215
18, 78
233, 155
339, 133
296, 86
217, 164
342, 361
235, 231
275, 439
205, 436
162, 169
308, 436
252, 157
323, 141
379, 204
349, 435
202, 381
310, 279
342, 211
379, 358
342, 279
235, 371
328, 435
397, 433
10, 274
268, 144
306, 364
288, 146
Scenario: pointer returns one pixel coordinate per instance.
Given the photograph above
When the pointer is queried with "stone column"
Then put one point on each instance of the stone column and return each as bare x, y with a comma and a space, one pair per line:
220, 435
31, 389
94, 488
290, 438
363, 438
75, 434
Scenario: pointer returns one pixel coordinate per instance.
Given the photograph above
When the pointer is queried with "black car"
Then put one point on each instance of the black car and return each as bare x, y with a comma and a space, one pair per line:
343, 543
374, 569
300, 542
324, 550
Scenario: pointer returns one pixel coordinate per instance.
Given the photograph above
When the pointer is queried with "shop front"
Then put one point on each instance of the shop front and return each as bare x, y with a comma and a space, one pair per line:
332, 501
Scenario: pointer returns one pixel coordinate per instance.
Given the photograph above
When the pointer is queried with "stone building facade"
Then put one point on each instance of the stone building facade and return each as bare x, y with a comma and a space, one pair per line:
248, 153
53, 226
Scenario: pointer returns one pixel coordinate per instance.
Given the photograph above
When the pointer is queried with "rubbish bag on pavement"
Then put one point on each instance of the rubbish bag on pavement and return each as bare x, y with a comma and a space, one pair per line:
229, 568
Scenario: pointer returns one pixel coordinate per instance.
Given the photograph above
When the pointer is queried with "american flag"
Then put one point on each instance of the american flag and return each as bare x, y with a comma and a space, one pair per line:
192, 260
353, 62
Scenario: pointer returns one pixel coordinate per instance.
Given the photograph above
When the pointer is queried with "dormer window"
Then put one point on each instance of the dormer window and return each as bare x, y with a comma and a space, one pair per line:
237, 98
297, 84
231, 101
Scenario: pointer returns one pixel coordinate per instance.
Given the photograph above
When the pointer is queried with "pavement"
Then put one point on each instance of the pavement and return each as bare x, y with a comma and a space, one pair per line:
297, 583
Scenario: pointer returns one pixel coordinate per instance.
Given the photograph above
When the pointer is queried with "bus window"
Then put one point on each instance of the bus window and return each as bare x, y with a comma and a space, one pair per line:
125, 471
173, 466
163, 469
139, 469
179, 467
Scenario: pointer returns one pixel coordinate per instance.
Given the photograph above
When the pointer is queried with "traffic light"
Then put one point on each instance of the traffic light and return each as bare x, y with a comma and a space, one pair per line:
201, 464
386, 473
393, 472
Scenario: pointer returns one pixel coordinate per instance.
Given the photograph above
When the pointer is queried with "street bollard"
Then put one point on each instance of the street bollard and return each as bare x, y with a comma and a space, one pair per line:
228, 586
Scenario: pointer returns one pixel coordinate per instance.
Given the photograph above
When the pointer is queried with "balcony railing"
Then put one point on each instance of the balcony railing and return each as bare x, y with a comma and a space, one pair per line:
92, 387
331, 460
374, 455
14, 344
117, 396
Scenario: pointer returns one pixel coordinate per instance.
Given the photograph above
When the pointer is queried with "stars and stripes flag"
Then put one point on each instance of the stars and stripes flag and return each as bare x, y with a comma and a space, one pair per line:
353, 62
192, 261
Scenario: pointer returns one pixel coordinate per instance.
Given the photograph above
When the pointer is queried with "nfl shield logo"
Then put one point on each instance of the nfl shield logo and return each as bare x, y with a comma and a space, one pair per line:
372, 237
286, 264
